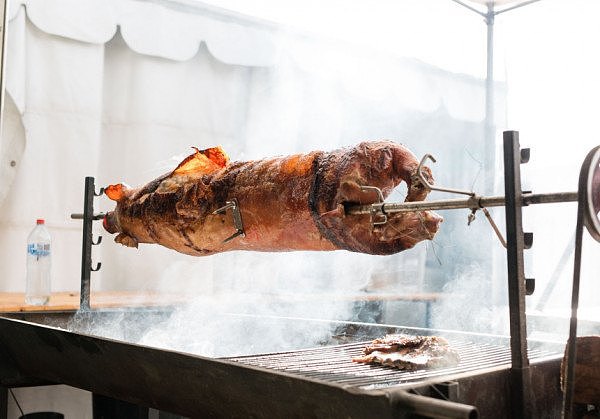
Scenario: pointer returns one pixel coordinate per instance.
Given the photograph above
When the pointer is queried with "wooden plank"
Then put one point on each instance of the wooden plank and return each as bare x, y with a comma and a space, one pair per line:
587, 370
11, 302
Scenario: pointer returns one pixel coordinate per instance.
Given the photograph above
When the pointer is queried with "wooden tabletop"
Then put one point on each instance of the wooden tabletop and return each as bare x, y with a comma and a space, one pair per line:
11, 302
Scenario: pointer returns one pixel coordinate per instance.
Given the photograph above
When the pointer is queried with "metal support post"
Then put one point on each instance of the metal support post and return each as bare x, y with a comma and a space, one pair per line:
3, 402
87, 242
520, 377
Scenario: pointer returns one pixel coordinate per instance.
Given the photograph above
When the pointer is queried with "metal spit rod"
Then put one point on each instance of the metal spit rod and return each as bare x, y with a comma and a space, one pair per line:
430, 407
473, 202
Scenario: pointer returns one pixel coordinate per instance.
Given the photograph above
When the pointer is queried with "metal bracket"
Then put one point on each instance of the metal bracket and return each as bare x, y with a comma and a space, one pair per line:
376, 208
237, 218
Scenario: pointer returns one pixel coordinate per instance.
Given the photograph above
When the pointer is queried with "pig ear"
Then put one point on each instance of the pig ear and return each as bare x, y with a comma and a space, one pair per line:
116, 192
203, 161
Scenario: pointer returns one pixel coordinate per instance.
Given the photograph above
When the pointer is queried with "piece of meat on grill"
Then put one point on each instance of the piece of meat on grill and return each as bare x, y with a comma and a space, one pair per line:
410, 353
286, 203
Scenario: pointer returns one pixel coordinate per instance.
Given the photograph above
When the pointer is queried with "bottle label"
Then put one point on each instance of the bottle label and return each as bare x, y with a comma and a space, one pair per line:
38, 249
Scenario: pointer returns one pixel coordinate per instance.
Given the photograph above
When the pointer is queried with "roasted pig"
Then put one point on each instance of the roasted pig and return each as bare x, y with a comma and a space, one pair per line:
410, 352
286, 203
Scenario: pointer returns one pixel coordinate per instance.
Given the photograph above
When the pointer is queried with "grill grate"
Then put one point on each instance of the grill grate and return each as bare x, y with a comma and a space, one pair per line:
334, 364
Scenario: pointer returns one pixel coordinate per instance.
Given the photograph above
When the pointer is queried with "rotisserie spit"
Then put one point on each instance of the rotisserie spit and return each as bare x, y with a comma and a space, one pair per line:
286, 203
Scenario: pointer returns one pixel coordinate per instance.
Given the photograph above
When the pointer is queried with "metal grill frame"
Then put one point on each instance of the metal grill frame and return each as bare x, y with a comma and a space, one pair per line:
195, 386
334, 364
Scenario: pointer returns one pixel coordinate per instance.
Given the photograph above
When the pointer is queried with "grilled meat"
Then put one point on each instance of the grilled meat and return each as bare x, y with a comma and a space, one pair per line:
286, 203
410, 352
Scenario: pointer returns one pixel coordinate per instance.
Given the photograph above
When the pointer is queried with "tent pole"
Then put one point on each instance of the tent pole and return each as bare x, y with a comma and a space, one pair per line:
3, 44
490, 134
489, 145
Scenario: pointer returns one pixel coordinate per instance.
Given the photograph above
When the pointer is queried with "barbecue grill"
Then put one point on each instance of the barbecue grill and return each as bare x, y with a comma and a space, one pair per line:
495, 378
320, 381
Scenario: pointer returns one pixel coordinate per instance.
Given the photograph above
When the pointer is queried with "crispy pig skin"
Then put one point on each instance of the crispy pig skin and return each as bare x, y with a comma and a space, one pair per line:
410, 353
287, 203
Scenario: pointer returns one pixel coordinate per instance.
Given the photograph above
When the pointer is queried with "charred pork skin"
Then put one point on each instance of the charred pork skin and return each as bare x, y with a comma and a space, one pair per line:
410, 352
286, 203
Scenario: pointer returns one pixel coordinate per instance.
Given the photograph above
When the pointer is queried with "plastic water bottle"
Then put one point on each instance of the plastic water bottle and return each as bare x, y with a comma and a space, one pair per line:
38, 265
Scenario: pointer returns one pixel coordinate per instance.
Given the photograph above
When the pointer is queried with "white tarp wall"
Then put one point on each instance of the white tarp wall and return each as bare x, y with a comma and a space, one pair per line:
116, 95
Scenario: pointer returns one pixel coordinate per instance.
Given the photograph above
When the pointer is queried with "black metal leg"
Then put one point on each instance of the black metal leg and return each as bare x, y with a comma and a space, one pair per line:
3, 403
109, 408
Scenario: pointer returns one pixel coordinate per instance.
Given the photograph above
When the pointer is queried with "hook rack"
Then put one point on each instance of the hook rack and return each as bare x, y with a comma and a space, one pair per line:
88, 241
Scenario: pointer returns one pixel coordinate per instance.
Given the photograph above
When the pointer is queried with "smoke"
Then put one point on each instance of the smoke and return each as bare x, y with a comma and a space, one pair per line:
320, 95
246, 303
208, 327
466, 304
243, 311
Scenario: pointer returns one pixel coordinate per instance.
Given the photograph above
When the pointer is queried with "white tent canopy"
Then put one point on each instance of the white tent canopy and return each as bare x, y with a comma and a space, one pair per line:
161, 30
126, 85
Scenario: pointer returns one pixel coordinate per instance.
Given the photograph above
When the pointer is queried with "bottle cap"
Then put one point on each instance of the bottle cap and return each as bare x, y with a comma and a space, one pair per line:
40, 221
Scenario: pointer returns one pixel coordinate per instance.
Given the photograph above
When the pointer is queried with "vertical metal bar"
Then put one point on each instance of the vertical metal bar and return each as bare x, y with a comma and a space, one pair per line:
86, 243
3, 44
572, 342
490, 144
520, 374
3, 402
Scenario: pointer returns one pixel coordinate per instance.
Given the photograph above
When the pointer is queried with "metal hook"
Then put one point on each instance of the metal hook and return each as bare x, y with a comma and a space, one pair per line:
99, 193
97, 242
98, 265
431, 186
